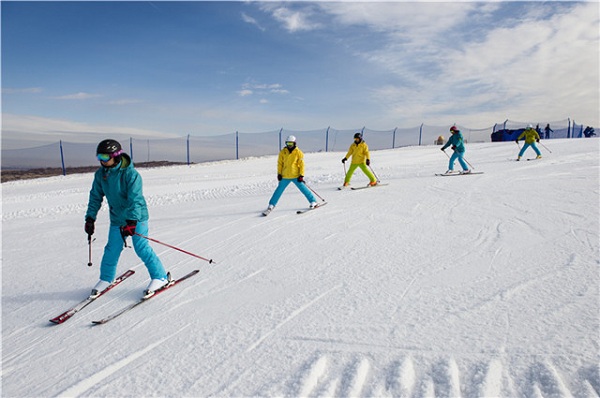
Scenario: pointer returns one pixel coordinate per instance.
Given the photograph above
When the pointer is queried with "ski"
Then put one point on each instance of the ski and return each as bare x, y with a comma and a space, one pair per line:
368, 186
143, 300
267, 212
343, 188
534, 159
311, 208
459, 174
65, 316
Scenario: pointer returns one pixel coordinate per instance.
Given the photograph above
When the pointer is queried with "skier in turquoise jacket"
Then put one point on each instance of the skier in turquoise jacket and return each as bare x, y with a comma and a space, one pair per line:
121, 184
458, 145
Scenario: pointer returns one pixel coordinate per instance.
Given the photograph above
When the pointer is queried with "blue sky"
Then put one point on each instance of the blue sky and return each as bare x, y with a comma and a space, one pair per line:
204, 68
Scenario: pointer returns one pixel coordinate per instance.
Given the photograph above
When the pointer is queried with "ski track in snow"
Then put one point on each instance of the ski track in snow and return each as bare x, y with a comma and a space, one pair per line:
289, 318
97, 378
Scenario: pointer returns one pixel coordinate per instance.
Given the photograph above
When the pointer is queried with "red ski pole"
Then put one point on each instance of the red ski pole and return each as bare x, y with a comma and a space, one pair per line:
210, 261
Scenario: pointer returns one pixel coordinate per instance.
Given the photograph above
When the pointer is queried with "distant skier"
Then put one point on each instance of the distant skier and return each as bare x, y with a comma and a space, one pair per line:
120, 182
547, 131
531, 137
589, 132
290, 168
359, 150
457, 142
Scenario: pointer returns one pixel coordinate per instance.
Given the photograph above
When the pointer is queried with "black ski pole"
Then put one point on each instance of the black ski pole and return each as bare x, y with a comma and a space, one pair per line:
90, 250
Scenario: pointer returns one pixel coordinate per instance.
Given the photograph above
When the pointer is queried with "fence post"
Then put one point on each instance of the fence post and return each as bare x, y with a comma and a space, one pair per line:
188, 150
237, 145
420, 133
327, 139
569, 128
62, 159
131, 148
394, 138
280, 146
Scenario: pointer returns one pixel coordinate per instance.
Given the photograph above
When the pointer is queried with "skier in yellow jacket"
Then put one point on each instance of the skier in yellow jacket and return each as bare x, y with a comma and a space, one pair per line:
290, 168
359, 150
531, 137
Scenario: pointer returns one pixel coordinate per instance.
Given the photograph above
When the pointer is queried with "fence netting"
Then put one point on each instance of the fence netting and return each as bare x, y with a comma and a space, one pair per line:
198, 149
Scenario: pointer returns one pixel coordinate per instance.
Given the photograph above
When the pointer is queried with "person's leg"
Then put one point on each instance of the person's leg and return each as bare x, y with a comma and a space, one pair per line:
522, 151
367, 172
536, 149
112, 252
349, 173
462, 162
452, 160
304, 189
280, 188
146, 253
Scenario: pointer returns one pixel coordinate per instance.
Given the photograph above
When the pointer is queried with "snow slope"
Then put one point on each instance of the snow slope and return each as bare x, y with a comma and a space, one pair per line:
482, 285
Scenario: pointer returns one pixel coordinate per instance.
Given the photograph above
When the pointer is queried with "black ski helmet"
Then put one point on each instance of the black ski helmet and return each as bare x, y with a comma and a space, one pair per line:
358, 135
110, 147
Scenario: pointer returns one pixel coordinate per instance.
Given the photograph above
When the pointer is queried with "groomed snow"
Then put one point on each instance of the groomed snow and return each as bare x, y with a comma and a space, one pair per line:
483, 285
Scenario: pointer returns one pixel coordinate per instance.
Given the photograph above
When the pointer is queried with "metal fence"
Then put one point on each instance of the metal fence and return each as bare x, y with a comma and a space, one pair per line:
197, 149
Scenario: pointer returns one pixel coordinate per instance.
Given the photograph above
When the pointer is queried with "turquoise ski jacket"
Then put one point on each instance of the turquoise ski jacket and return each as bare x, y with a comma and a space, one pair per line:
457, 140
122, 186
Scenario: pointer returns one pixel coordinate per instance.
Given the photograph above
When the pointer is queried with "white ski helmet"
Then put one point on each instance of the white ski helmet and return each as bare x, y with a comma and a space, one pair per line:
290, 138
530, 126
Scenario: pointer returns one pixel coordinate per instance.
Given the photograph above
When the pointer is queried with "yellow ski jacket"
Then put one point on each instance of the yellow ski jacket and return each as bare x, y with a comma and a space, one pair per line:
530, 135
290, 164
359, 153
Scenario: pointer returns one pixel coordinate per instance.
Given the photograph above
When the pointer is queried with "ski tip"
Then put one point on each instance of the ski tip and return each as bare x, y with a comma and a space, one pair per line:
102, 322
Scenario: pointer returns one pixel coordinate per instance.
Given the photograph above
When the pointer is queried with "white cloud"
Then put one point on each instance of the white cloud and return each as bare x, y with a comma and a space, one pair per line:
248, 19
27, 90
294, 20
475, 60
261, 89
77, 96
26, 128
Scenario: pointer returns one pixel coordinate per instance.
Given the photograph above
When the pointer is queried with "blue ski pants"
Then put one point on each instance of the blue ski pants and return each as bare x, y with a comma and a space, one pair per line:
114, 247
459, 156
535, 148
283, 185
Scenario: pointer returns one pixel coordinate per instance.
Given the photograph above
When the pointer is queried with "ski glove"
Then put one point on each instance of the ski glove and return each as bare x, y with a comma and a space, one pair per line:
129, 229
279, 177
300, 178
538, 140
344, 160
454, 147
368, 162
517, 141
89, 226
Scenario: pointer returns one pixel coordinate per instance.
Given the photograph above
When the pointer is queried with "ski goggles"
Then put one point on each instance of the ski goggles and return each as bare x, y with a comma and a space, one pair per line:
105, 157
290, 143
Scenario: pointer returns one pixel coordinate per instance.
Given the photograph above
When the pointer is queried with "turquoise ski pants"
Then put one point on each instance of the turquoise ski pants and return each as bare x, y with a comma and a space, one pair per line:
114, 247
283, 185
535, 148
459, 156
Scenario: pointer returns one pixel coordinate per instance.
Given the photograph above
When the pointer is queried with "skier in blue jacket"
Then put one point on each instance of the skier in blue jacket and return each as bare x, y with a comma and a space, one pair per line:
121, 184
458, 145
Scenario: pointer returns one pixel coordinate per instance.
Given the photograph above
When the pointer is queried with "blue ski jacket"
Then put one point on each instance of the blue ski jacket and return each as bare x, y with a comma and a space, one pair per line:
122, 186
